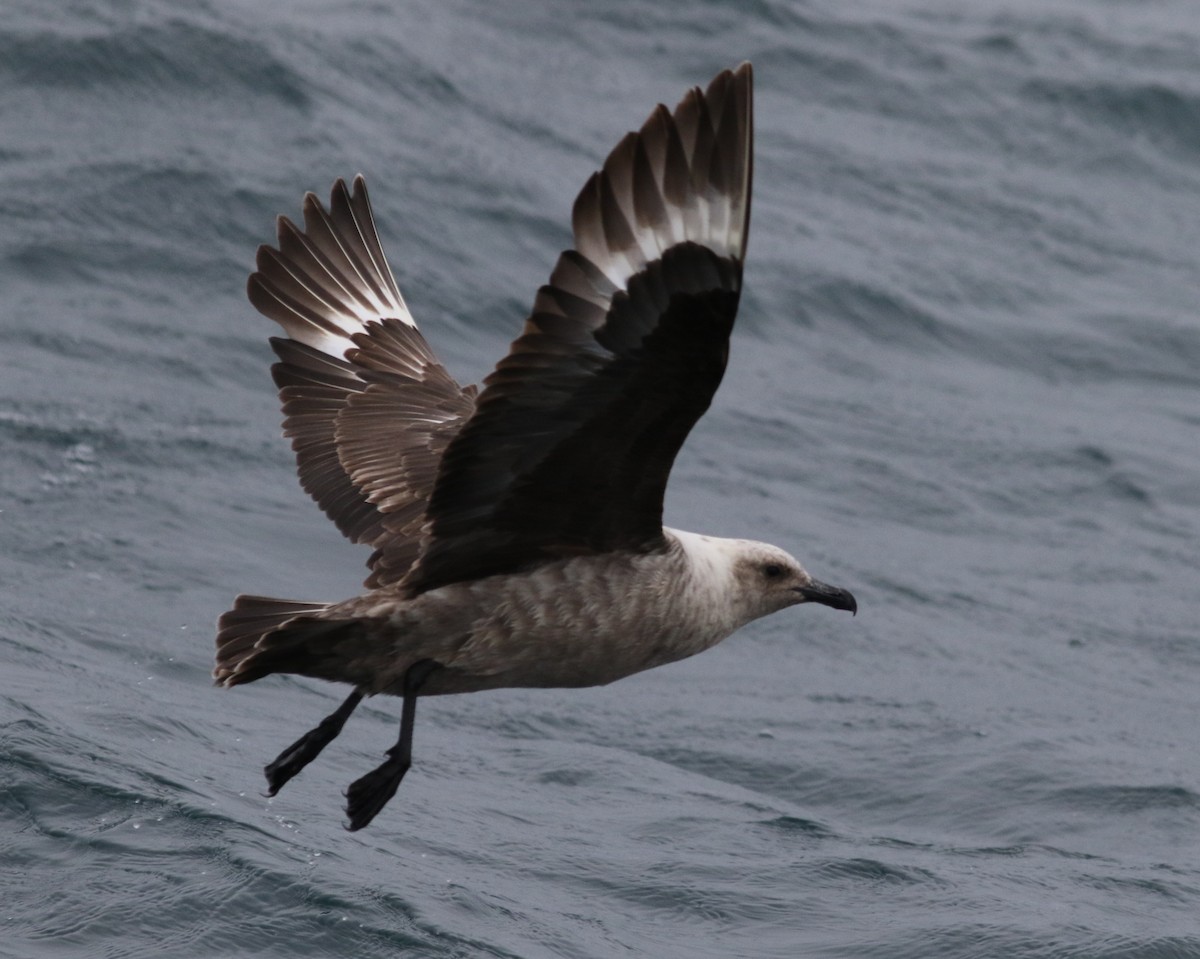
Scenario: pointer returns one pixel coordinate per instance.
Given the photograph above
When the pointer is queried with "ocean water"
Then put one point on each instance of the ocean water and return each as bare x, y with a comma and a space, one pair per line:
965, 384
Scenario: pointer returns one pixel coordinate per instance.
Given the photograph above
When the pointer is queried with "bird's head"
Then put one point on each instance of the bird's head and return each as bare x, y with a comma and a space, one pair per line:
771, 579
755, 579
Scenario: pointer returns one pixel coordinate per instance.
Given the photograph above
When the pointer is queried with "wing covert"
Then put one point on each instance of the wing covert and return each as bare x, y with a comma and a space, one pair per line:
573, 437
368, 407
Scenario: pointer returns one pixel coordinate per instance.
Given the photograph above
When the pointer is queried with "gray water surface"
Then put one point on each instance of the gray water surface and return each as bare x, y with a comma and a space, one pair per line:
965, 384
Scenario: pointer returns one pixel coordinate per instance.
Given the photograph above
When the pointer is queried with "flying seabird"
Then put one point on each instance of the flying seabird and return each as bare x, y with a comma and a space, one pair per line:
517, 530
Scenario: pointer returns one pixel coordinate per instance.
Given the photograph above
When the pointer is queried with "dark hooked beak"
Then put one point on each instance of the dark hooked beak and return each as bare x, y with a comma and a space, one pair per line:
826, 595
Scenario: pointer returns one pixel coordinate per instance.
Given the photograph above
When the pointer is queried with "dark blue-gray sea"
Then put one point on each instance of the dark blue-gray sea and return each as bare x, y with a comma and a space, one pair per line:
965, 384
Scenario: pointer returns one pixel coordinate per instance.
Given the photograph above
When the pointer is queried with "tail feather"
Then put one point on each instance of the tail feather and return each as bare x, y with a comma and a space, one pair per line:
262, 635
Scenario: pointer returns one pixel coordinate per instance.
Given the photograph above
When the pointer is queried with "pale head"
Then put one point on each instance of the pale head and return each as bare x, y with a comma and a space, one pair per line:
755, 579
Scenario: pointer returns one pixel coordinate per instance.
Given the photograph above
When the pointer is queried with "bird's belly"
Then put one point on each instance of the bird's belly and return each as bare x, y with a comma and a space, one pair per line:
556, 657
584, 622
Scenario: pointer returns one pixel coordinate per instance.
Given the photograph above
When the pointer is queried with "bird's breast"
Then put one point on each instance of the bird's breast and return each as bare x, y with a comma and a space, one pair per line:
585, 621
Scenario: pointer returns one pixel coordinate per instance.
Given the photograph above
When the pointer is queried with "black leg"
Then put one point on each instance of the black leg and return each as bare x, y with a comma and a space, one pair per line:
305, 749
368, 795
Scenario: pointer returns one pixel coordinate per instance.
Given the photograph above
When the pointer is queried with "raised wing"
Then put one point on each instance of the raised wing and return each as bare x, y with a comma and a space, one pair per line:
573, 438
368, 407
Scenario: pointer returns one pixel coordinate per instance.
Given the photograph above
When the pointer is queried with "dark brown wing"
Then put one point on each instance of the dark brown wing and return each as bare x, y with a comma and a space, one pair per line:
368, 407
574, 436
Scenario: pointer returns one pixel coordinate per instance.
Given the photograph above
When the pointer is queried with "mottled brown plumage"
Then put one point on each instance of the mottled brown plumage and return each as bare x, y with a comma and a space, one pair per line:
518, 532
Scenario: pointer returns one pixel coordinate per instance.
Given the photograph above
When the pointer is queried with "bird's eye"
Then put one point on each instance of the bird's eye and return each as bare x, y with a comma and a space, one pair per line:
772, 571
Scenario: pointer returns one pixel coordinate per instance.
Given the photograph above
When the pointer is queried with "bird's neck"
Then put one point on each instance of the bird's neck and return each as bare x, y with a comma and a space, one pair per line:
708, 570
